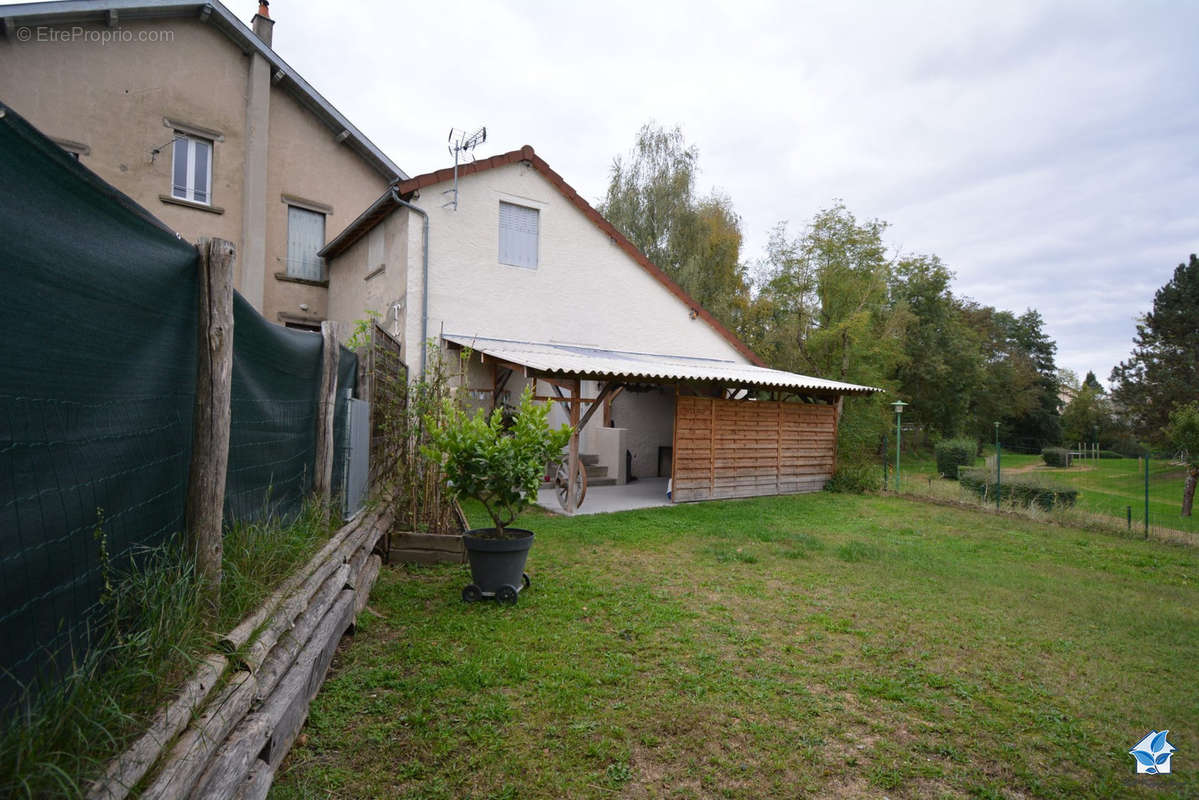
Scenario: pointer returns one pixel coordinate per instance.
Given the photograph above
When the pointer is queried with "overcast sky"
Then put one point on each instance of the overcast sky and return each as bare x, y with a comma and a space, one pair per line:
1047, 152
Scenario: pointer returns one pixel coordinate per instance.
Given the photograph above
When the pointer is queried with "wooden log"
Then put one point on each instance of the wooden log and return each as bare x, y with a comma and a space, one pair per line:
358, 558
336, 575
131, 766
192, 752
572, 458
258, 783
302, 681
203, 515
281, 657
284, 710
322, 484
365, 582
241, 634
282, 619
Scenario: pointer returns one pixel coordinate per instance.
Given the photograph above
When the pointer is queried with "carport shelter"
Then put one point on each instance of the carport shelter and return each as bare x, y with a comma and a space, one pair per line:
739, 430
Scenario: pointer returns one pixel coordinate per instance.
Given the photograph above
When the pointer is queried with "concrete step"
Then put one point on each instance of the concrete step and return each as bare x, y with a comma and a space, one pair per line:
589, 459
596, 472
593, 482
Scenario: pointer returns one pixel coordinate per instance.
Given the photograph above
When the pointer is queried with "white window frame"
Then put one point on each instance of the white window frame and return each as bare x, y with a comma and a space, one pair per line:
509, 259
188, 191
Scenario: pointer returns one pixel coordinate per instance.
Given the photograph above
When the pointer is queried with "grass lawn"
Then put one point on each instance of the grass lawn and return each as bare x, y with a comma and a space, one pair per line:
822, 645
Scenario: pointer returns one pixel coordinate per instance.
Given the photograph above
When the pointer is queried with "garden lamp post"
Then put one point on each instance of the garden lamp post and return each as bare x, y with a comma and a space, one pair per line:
998, 474
898, 405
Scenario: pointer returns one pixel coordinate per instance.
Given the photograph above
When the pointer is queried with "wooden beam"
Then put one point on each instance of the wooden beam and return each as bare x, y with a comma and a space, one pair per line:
608, 404
572, 464
561, 383
596, 404
326, 403
204, 508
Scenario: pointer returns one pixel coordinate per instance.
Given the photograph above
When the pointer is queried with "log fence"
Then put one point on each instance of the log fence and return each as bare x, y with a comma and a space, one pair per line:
228, 729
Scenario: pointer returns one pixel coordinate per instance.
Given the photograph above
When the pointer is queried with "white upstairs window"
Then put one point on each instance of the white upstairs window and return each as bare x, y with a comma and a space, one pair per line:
305, 238
191, 169
518, 235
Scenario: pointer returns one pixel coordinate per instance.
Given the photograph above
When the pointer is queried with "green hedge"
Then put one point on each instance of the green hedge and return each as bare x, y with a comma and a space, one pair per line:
1056, 456
1022, 489
953, 454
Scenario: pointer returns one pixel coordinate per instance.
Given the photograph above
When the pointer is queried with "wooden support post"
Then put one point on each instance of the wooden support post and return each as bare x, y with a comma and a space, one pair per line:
203, 515
326, 403
572, 465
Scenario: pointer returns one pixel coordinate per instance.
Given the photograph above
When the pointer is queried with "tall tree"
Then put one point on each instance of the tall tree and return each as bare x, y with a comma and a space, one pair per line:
823, 309
695, 240
1163, 372
1041, 425
1008, 388
1088, 417
943, 364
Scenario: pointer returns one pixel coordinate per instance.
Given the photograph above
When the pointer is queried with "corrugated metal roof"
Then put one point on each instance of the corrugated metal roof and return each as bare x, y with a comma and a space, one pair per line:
595, 362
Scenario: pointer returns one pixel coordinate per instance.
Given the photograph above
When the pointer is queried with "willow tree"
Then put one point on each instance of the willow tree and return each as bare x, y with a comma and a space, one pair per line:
694, 239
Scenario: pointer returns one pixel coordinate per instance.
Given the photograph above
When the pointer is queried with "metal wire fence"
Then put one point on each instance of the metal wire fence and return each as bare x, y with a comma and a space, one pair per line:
1137, 496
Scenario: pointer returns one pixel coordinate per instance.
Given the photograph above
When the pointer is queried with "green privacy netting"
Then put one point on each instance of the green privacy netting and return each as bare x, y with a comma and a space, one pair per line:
96, 392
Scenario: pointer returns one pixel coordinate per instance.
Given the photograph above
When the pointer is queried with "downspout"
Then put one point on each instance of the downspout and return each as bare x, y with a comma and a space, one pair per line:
424, 310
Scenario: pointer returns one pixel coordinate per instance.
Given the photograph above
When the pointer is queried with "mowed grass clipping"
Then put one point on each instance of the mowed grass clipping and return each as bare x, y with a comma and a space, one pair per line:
818, 645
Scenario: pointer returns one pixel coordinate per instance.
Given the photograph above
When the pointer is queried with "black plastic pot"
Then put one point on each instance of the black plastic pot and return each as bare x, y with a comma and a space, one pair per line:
497, 566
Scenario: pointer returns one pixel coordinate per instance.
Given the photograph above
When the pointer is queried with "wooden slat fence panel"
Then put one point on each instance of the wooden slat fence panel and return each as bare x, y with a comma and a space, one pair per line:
738, 448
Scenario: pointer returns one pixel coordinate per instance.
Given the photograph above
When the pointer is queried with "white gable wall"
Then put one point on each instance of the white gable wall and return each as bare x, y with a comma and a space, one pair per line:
584, 290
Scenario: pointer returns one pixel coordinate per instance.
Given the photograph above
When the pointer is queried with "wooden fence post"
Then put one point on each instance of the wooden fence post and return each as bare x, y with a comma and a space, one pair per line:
326, 403
210, 419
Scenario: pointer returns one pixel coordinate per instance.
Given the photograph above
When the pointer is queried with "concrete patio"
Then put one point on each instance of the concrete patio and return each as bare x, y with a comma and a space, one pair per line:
642, 493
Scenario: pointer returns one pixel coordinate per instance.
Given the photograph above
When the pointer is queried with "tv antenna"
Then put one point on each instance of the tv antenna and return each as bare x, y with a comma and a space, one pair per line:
463, 144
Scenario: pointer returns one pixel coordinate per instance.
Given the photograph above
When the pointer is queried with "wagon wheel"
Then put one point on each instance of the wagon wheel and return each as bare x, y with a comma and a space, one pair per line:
580, 483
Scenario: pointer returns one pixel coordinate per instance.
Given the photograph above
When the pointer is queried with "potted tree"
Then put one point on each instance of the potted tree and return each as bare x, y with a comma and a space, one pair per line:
501, 466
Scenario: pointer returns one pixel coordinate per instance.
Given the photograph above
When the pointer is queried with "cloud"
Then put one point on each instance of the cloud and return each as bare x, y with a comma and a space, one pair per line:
1045, 150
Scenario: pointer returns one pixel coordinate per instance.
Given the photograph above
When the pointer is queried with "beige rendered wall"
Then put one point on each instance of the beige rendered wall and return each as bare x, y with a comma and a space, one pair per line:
585, 289
306, 162
113, 98
356, 287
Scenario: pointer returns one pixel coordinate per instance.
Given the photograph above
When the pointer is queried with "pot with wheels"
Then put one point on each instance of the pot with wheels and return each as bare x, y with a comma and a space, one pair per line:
497, 563
501, 466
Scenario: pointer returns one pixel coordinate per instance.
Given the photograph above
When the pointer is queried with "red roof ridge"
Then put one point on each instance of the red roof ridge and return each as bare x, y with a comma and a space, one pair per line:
526, 153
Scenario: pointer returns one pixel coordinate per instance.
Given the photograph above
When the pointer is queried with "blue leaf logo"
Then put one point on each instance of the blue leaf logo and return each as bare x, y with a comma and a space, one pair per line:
1153, 753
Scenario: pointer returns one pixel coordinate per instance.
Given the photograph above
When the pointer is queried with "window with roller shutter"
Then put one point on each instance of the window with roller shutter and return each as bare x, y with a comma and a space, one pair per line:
518, 235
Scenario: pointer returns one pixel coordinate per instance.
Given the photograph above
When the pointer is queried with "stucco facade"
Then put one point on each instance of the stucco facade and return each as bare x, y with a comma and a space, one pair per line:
119, 104
585, 289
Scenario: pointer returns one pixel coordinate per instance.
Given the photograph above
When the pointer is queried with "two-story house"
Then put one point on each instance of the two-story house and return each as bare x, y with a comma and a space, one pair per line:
190, 112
